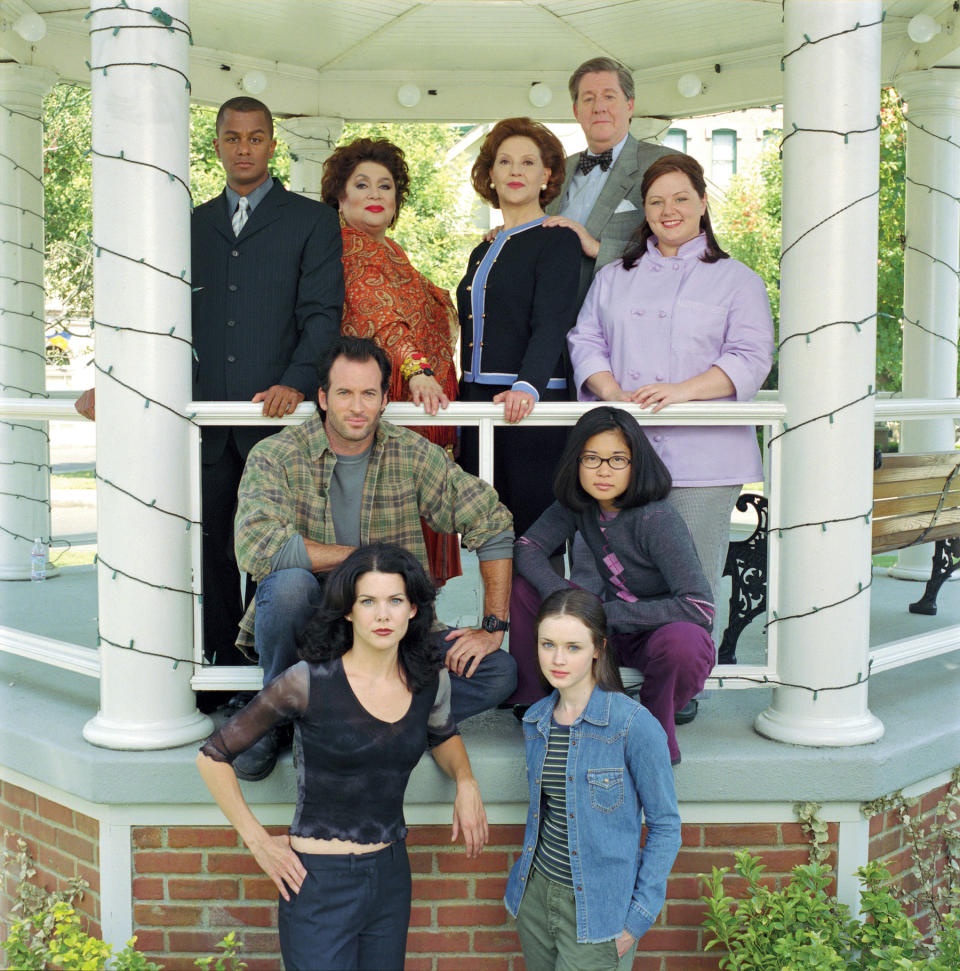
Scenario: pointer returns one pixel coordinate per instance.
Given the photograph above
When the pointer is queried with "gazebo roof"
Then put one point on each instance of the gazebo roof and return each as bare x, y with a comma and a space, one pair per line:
477, 59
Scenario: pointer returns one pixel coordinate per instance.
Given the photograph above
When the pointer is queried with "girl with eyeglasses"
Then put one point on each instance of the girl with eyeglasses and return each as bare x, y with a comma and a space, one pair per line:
597, 766
631, 549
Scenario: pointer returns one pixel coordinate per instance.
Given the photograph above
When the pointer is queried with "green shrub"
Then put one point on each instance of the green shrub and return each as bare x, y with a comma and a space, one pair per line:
803, 927
48, 933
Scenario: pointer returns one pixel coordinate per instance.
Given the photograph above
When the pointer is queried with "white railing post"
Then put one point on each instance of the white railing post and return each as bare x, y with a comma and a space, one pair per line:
24, 446
829, 285
141, 239
931, 287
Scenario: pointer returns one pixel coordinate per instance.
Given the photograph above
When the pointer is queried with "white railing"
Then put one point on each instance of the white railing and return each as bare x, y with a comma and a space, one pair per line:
767, 412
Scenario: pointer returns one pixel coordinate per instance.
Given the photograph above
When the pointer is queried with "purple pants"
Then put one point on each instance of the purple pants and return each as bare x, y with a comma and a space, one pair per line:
675, 660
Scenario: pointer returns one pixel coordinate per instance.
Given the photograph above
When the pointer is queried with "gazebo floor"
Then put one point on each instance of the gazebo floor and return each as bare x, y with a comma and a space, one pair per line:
723, 757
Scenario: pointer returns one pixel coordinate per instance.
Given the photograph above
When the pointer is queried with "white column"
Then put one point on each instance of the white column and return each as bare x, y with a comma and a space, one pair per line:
311, 140
141, 238
828, 274
24, 445
931, 288
650, 129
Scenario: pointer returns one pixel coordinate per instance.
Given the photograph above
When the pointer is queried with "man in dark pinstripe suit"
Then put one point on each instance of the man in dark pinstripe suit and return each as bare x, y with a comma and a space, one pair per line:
268, 295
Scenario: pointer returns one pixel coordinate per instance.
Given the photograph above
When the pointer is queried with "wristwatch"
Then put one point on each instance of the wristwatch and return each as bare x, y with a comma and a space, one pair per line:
492, 623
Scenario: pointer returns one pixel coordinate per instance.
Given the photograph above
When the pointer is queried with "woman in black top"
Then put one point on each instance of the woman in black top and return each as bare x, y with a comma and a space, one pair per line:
368, 698
516, 304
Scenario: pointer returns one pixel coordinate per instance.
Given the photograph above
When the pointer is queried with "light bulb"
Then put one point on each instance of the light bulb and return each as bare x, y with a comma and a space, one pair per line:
540, 95
689, 85
254, 82
923, 28
408, 95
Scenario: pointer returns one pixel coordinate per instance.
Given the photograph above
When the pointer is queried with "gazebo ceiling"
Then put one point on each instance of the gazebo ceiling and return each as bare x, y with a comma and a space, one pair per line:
476, 60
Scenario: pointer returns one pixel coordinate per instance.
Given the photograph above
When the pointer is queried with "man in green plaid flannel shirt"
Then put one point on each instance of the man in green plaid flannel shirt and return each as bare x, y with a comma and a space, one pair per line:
299, 515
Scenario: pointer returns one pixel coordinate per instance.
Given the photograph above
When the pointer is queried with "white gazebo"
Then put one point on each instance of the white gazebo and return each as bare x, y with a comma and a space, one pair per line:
320, 62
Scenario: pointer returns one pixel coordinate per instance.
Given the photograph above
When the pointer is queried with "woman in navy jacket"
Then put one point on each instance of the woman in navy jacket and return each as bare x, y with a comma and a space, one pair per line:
516, 303
583, 891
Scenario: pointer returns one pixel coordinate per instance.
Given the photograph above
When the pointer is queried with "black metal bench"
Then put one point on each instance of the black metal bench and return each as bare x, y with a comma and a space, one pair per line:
916, 499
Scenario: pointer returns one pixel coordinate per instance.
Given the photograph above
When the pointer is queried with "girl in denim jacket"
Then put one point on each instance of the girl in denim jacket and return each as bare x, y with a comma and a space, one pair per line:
583, 891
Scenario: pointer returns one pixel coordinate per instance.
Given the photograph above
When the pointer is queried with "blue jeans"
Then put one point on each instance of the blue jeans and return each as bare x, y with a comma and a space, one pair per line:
286, 600
352, 912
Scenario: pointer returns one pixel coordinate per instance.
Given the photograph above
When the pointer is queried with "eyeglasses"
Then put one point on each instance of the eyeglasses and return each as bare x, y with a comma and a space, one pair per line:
618, 463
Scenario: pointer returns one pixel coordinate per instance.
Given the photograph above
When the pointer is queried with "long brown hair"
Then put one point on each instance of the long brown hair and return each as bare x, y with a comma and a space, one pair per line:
693, 170
585, 607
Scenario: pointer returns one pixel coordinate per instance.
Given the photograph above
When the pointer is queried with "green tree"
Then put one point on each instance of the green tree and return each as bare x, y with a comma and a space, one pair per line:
749, 229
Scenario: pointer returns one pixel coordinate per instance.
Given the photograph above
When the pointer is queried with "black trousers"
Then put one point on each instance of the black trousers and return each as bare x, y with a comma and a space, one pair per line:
351, 914
222, 603
524, 458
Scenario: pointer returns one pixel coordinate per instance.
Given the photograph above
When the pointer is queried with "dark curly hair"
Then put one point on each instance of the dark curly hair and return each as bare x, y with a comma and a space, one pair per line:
328, 634
338, 168
693, 170
551, 154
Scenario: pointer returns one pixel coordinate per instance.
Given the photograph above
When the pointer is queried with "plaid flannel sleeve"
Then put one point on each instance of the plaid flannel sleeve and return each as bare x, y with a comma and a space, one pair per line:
266, 512
453, 501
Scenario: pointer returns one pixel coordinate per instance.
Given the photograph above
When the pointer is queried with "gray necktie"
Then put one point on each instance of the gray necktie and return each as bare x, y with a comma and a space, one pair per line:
241, 215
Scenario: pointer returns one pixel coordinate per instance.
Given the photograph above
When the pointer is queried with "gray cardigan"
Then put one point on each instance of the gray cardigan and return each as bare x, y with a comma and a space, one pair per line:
653, 545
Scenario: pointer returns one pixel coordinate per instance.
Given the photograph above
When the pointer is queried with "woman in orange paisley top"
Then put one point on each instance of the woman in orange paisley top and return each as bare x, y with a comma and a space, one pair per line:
390, 302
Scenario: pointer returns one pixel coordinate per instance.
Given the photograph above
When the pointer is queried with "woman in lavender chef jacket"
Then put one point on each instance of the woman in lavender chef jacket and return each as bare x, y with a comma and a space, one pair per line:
676, 319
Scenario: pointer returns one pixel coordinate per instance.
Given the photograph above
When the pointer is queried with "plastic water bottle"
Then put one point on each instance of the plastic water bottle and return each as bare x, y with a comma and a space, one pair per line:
38, 560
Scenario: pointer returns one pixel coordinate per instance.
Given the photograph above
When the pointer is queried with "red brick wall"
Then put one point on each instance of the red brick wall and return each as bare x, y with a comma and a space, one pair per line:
890, 845
62, 843
194, 884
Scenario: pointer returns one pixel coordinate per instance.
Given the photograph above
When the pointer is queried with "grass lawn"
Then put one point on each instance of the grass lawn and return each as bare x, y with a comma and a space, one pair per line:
81, 479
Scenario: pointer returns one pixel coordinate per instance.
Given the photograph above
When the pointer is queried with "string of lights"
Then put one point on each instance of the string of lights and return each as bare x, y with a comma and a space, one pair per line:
157, 13
942, 138
121, 157
827, 414
826, 219
808, 41
933, 333
17, 167
152, 504
94, 323
147, 399
23, 350
107, 153
151, 64
932, 188
823, 523
115, 571
934, 259
25, 283
100, 249
856, 324
778, 618
25, 483
830, 131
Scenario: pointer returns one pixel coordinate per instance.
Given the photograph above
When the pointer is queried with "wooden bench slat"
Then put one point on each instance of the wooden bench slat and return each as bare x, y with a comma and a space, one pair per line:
909, 473
950, 519
913, 505
899, 540
913, 487
893, 460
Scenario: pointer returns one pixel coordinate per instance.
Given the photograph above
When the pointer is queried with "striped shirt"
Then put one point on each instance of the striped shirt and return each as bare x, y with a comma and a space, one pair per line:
552, 857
